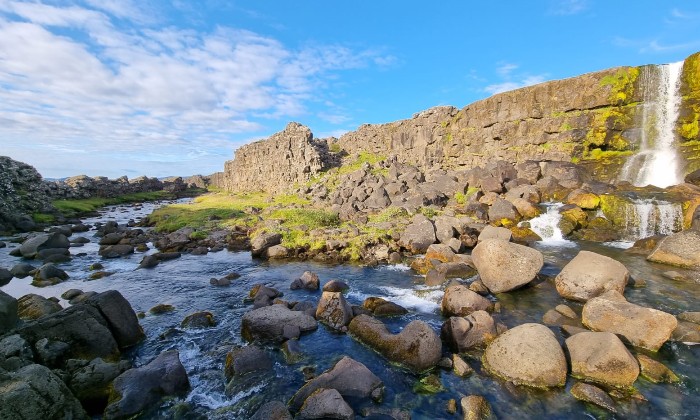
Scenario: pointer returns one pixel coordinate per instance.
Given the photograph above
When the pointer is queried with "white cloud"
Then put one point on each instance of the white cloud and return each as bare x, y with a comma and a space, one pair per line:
75, 81
511, 79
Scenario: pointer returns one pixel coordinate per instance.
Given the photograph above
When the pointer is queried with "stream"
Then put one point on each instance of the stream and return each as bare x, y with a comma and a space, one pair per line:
184, 283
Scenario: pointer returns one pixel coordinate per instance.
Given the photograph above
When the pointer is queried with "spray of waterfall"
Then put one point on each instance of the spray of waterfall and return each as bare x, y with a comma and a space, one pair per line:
656, 163
546, 226
646, 218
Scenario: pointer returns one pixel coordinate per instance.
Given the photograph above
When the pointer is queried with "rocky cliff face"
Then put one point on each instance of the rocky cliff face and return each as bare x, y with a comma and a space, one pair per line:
22, 193
288, 157
594, 119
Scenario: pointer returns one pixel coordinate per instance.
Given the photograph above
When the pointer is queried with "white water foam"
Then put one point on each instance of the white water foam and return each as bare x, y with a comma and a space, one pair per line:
396, 267
546, 225
644, 218
421, 298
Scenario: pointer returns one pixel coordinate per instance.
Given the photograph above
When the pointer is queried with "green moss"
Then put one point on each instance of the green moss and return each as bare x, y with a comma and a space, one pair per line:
290, 199
622, 84
208, 211
597, 154
689, 121
199, 235
311, 218
389, 214
335, 148
43, 218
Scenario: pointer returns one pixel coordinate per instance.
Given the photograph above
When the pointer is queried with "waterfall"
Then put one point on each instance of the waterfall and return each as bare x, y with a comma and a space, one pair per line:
546, 225
656, 163
646, 218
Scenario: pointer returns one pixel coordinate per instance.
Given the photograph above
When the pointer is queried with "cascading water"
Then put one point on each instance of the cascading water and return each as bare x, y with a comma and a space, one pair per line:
656, 163
546, 226
646, 218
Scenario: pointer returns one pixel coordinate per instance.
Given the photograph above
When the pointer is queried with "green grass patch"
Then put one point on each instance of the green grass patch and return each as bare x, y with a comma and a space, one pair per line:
596, 154
43, 218
290, 199
311, 218
208, 211
389, 214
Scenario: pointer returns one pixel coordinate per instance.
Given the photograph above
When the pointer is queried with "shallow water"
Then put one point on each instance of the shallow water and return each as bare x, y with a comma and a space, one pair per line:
184, 283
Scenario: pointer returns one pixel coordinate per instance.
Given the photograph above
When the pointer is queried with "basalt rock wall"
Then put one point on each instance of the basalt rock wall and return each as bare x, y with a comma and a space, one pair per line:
593, 119
289, 157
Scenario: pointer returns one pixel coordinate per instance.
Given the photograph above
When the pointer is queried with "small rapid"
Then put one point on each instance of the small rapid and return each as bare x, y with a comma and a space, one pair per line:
546, 225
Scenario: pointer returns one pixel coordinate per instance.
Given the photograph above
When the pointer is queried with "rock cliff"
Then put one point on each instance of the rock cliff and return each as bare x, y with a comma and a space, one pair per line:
593, 119
288, 157
22, 193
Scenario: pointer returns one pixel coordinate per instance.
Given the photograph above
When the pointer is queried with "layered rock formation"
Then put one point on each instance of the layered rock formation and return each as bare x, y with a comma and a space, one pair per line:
286, 158
593, 118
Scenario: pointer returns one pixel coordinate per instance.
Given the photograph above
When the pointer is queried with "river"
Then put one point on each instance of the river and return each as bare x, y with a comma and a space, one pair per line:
184, 283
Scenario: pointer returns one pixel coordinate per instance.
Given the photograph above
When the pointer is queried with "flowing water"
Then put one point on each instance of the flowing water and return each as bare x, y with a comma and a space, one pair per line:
546, 226
184, 283
646, 218
656, 162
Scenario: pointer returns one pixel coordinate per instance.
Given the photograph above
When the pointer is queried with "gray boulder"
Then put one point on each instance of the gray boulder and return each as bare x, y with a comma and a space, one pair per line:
81, 327
350, 378
243, 360
589, 275
5, 276
120, 316
141, 388
22, 270
32, 246
326, 404
49, 274
419, 235
446, 228
116, 251
503, 212
15, 352
504, 266
417, 346
528, 354
642, 327
308, 281
494, 232
458, 300
8, 312
90, 384
464, 333
262, 242
602, 358
267, 323
680, 249
34, 392
333, 310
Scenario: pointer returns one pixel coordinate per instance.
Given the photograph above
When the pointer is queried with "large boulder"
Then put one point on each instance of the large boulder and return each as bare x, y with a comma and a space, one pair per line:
140, 388
116, 251
120, 317
642, 327
80, 331
49, 274
243, 360
350, 378
528, 354
417, 346
8, 312
589, 275
333, 310
419, 235
308, 281
446, 228
22, 270
494, 232
602, 358
34, 392
273, 410
458, 300
463, 333
326, 404
5, 276
681, 249
31, 307
504, 266
91, 383
267, 323
503, 213
262, 242
32, 246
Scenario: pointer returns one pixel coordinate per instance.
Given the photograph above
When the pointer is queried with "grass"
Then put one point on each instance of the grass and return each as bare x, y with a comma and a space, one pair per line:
208, 211
389, 214
43, 218
296, 225
290, 200
70, 208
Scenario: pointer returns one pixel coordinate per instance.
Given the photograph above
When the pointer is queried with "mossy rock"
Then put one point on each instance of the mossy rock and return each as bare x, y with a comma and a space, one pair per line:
574, 215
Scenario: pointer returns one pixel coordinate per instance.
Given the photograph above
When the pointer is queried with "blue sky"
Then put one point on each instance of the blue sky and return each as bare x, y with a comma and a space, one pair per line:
122, 87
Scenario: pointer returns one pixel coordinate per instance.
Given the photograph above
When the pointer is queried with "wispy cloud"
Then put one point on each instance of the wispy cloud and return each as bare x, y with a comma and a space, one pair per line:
512, 79
568, 7
76, 76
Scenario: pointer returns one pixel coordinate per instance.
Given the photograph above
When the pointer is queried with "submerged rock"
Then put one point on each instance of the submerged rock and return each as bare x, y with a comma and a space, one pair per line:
528, 354
594, 395
243, 360
308, 281
417, 346
382, 307
202, 319
656, 371
463, 333
642, 327
138, 389
333, 310
273, 410
267, 323
350, 378
589, 275
602, 358
475, 407
504, 266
